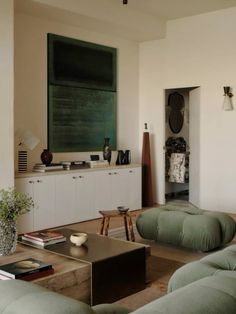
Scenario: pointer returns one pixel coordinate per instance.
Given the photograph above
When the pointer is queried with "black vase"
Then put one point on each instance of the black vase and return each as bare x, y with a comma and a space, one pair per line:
107, 150
120, 157
46, 157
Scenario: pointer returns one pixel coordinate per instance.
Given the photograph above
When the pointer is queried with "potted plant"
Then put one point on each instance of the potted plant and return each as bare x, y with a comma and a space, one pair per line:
12, 204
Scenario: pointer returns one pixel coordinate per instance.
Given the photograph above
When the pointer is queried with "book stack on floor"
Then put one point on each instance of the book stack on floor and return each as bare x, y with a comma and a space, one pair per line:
43, 238
46, 168
27, 269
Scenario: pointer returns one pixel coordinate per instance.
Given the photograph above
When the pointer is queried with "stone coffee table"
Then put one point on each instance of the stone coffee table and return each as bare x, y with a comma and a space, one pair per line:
71, 278
117, 267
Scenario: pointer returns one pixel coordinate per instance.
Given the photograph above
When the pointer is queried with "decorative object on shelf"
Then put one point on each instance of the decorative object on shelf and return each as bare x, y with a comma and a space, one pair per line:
22, 160
125, 1
12, 204
107, 150
147, 193
176, 117
120, 156
28, 140
123, 157
98, 163
127, 157
78, 238
94, 157
227, 105
122, 209
46, 157
66, 165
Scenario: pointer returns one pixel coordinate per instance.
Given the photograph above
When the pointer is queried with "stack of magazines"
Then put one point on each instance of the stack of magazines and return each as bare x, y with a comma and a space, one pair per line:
45, 168
43, 238
27, 269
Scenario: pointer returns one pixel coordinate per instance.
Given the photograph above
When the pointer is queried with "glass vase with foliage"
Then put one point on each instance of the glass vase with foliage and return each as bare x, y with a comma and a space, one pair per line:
12, 205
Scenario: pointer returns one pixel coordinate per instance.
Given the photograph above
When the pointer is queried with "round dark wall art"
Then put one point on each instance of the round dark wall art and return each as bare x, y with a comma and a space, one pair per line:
176, 118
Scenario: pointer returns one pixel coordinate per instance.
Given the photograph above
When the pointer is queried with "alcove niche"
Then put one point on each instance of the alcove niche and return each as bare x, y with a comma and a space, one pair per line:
177, 145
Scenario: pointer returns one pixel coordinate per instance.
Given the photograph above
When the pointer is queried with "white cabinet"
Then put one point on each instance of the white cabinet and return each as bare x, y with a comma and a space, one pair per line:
72, 196
41, 189
64, 199
84, 197
117, 187
134, 182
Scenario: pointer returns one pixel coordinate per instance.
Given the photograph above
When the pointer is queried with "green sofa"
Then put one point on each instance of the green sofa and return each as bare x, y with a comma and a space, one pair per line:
192, 228
220, 265
204, 287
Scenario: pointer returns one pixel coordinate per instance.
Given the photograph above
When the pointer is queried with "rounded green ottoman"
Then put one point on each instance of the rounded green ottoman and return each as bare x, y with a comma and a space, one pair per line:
192, 228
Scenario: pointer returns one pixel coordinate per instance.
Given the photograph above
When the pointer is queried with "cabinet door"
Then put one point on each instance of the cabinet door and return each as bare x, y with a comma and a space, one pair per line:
119, 188
102, 195
110, 190
41, 189
25, 222
44, 197
65, 191
84, 203
135, 190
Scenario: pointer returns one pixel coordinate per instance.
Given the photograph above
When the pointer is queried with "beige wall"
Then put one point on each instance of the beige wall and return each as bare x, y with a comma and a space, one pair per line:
31, 82
6, 92
198, 51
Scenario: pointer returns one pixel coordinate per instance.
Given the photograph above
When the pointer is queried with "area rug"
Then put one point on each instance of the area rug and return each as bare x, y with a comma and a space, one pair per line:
159, 273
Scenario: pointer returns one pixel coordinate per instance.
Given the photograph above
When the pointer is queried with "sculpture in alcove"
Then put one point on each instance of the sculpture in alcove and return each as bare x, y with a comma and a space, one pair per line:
176, 118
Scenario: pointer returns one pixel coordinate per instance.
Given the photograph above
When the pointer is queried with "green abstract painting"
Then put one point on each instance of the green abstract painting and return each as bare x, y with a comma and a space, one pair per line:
80, 119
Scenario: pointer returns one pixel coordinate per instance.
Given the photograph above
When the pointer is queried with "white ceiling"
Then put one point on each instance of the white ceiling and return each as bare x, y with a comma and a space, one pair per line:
174, 9
139, 20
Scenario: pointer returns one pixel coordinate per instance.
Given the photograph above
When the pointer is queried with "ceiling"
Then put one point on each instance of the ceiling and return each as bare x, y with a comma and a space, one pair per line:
139, 20
174, 9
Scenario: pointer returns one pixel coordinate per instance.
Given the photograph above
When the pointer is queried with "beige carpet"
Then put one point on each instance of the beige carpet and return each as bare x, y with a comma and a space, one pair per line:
159, 273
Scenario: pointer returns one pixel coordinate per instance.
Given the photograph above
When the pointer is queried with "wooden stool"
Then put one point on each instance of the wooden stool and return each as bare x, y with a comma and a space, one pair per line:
127, 217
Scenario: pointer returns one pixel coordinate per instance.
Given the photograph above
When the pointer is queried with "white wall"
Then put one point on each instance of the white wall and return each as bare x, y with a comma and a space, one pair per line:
31, 82
198, 51
6, 92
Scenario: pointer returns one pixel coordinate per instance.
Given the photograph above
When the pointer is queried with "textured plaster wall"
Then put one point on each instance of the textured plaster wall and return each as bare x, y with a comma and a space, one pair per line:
198, 51
6, 92
31, 83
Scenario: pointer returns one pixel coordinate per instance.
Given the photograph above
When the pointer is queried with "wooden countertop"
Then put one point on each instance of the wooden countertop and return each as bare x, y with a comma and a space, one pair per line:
62, 171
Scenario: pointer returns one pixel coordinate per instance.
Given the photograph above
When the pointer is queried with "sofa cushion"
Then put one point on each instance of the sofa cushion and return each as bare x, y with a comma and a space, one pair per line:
110, 309
210, 295
22, 297
222, 263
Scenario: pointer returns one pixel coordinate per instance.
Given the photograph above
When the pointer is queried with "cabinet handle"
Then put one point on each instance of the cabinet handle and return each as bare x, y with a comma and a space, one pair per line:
81, 177
115, 172
131, 171
39, 181
31, 182
74, 177
110, 173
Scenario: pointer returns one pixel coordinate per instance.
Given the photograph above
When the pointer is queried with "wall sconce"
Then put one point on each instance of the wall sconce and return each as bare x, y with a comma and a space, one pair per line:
227, 104
28, 140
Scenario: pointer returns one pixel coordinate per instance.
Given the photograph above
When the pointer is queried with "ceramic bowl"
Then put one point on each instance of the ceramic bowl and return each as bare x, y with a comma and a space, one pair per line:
78, 238
122, 209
